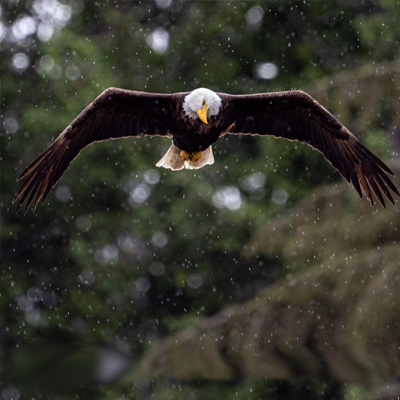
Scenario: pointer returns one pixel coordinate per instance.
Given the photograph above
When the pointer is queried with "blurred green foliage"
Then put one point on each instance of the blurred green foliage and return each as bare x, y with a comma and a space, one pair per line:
133, 253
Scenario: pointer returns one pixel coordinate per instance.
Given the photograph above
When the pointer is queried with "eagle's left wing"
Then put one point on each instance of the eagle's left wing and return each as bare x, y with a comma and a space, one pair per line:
295, 115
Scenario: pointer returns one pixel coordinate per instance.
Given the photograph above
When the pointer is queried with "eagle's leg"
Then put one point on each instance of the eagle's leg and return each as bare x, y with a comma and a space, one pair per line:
185, 155
196, 156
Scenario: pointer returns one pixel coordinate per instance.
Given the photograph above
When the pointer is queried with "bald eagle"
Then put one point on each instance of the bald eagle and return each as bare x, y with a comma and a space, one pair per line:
198, 119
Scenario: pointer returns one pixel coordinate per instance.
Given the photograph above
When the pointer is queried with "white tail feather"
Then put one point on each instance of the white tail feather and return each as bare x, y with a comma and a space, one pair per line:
173, 160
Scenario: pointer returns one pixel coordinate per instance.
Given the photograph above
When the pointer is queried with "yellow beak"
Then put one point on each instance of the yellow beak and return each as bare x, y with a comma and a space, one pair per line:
202, 113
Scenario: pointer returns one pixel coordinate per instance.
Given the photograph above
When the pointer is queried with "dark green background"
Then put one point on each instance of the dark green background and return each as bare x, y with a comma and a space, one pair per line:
123, 270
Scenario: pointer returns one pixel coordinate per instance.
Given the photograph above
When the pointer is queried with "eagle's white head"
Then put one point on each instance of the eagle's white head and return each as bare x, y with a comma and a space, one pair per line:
201, 103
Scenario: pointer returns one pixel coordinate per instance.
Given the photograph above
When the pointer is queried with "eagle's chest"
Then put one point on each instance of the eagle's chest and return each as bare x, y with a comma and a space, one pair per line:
194, 135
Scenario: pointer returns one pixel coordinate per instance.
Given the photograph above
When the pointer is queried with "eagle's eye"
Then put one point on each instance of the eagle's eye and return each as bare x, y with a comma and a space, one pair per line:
204, 102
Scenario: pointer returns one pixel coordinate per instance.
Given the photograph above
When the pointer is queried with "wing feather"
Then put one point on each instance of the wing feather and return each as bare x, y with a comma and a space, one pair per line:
295, 115
114, 114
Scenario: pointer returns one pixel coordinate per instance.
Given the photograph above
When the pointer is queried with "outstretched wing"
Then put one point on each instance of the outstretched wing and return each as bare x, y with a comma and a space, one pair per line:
115, 113
295, 115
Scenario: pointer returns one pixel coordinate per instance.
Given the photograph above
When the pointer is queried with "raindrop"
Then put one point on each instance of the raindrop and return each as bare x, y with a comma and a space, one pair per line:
62, 14
24, 303
63, 193
33, 317
279, 196
3, 31
76, 6
108, 254
55, 72
46, 63
10, 125
34, 294
20, 62
49, 300
45, 32
204, 189
254, 17
140, 193
10, 393
228, 197
157, 269
83, 223
126, 243
143, 284
87, 278
110, 364
266, 70
23, 27
52, 12
151, 176
195, 281
72, 72
163, 3
159, 239
253, 182
158, 40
